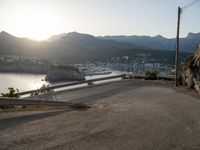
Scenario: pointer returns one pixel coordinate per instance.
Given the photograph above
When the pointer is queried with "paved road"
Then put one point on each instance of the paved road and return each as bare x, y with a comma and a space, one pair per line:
129, 115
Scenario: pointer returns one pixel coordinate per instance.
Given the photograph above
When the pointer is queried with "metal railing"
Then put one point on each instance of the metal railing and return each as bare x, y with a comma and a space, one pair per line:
69, 84
29, 101
166, 77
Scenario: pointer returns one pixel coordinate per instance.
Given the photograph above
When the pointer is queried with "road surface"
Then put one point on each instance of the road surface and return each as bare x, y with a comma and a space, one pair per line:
128, 115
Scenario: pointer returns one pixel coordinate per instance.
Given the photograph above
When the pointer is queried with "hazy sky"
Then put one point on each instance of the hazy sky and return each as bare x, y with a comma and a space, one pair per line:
39, 19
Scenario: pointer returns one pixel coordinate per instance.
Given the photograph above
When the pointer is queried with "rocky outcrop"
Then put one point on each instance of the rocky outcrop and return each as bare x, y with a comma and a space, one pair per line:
192, 70
64, 73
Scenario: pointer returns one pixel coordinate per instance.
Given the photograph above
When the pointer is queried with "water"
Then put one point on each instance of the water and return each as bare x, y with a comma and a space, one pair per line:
25, 82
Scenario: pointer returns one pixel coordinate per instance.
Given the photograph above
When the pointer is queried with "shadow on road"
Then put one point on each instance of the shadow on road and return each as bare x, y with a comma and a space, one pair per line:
13, 122
104, 94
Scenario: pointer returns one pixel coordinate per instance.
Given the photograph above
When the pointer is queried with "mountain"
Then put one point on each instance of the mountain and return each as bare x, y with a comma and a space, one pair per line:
80, 47
75, 47
10, 44
187, 44
68, 47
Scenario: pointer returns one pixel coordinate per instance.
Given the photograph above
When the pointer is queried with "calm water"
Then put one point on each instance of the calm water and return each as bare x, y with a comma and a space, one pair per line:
25, 82
21, 81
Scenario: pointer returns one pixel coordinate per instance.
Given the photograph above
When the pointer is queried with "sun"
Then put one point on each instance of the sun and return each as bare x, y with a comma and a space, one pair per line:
34, 23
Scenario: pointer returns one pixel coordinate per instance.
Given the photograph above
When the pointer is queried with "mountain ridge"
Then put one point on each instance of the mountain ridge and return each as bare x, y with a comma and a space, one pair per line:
75, 47
187, 44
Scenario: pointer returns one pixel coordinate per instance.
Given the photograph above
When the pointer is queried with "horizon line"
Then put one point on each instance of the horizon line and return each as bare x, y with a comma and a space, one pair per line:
96, 35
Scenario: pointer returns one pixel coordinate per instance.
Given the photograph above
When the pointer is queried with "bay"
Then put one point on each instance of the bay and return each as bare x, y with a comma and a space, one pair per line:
21, 81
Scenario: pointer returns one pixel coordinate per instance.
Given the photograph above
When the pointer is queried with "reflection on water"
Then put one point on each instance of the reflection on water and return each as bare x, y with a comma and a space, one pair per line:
23, 82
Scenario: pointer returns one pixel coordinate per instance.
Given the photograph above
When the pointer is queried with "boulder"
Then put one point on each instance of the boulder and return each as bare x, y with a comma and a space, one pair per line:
192, 70
64, 73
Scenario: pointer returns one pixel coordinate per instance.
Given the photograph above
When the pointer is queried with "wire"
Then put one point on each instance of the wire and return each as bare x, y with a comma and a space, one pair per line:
190, 4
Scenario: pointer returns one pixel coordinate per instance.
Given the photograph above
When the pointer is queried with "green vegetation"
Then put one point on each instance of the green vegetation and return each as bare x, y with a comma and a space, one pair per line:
11, 93
7, 107
180, 80
151, 75
90, 83
34, 106
23, 107
79, 106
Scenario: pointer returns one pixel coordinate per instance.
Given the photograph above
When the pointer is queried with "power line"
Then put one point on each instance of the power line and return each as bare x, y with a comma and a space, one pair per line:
190, 4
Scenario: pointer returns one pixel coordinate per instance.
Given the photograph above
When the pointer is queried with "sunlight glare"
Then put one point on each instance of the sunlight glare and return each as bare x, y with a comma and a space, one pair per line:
35, 23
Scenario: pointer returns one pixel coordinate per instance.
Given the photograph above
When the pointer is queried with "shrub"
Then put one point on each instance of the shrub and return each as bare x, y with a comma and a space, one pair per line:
180, 80
150, 75
34, 106
11, 93
79, 106
7, 106
42, 90
90, 83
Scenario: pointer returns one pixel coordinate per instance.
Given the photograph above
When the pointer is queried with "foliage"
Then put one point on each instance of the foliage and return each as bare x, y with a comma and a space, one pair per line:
79, 106
34, 106
151, 75
180, 80
42, 90
22, 107
7, 107
11, 93
90, 83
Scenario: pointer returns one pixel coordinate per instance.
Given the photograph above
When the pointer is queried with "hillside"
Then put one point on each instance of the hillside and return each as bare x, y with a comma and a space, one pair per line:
78, 48
187, 44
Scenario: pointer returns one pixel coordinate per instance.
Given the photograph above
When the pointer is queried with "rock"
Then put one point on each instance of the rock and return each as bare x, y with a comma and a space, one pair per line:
192, 70
197, 86
64, 73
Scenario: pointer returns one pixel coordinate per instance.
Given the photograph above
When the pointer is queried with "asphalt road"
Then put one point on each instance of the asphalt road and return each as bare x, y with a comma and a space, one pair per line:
129, 115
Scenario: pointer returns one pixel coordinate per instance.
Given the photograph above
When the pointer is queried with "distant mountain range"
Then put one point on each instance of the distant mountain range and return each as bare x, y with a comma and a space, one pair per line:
77, 48
70, 48
187, 44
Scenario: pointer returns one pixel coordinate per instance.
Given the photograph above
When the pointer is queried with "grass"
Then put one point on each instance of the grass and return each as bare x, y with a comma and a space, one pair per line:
9, 107
80, 106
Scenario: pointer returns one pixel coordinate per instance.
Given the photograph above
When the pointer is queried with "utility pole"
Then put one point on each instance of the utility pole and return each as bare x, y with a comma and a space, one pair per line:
177, 48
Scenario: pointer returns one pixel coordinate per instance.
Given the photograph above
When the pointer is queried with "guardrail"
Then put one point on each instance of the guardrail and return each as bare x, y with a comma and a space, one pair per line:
131, 76
159, 76
29, 101
69, 84
165, 77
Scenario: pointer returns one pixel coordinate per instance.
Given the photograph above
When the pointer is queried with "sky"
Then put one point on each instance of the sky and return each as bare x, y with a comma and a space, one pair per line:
39, 19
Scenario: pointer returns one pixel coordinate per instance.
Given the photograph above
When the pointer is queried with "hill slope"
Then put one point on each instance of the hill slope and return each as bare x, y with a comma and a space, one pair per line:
77, 48
187, 44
